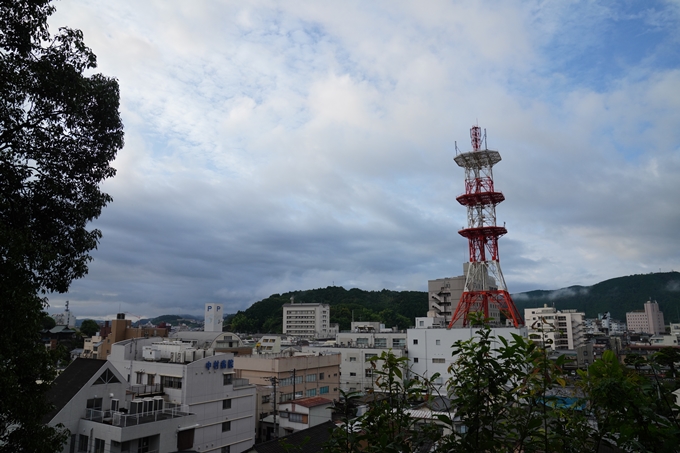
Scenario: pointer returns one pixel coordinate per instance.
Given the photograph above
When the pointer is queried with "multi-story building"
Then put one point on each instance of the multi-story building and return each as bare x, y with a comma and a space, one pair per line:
556, 329
103, 414
66, 318
650, 320
371, 335
301, 375
445, 293
429, 349
443, 296
311, 321
203, 381
121, 329
356, 373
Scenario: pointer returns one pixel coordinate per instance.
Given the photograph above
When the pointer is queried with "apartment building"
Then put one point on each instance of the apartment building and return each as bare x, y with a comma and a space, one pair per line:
202, 380
296, 375
429, 349
649, 320
92, 399
445, 293
556, 329
99, 346
310, 321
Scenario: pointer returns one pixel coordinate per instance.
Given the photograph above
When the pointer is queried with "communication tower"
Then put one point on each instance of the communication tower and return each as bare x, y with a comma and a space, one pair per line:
484, 282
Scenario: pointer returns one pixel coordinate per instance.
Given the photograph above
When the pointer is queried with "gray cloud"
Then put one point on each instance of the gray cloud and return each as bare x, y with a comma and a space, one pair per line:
273, 147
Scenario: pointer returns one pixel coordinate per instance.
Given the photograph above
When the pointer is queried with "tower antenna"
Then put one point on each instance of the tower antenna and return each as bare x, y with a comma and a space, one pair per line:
484, 282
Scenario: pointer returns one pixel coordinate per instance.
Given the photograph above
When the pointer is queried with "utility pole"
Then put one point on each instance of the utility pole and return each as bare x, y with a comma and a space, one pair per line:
274, 380
293, 384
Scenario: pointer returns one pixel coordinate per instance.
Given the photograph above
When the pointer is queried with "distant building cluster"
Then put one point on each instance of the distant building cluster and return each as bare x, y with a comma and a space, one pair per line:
156, 389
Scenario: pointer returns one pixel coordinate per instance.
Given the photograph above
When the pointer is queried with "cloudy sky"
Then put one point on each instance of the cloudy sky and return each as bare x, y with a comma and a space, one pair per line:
278, 146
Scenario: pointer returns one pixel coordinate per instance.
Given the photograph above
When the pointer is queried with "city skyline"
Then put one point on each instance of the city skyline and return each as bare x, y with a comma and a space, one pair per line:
281, 146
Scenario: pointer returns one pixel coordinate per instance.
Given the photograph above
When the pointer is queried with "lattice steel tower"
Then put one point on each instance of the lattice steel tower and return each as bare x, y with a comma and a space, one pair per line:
484, 282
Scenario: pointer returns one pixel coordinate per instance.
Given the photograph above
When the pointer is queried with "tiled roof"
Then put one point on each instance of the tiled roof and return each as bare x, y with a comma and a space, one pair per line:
312, 401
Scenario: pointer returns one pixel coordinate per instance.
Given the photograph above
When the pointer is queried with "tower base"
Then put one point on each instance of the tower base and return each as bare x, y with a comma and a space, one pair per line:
478, 301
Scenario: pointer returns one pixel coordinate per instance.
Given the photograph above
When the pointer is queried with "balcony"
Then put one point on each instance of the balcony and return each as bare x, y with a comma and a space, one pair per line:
122, 419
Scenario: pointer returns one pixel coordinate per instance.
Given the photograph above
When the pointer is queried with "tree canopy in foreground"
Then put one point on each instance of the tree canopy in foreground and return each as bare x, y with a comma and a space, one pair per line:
59, 130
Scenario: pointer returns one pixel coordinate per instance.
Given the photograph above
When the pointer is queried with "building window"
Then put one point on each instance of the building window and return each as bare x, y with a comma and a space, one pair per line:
438, 342
321, 376
296, 418
286, 397
150, 379
415, 360
352, 374
226, 426
415, 341
171, 382
398, 342
226, 449
228, 379
99, 445
265, 399
226, 404
421, 323
140, 378
311, 392
438, 360
369, 372
94, 404
82, 442
323, 390
352, 359
310, 378
380, 343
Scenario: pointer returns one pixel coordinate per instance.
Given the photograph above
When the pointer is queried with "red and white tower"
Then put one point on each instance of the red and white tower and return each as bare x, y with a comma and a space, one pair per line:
484, 282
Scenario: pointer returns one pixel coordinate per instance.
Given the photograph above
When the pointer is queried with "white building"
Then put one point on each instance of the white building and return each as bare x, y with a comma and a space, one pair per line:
95, 403
371, 335
214, 316
195, 378
429, 349
356, 373
649, 320
309, 321
556, 329
66, 318
304, 413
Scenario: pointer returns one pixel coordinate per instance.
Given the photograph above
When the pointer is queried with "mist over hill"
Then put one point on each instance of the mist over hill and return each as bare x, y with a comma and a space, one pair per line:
617, 296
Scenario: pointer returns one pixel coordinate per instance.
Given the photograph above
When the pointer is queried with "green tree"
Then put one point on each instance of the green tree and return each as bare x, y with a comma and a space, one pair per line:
627, 408
89, 327
667, 358
48, 322
59, 130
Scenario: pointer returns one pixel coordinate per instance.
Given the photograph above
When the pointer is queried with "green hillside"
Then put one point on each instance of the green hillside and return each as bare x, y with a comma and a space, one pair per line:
393, 308
617, 296
400, 308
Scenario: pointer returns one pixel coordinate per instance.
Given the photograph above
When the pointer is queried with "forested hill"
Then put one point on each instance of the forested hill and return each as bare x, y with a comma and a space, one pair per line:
617, 296
393, 308
400, 308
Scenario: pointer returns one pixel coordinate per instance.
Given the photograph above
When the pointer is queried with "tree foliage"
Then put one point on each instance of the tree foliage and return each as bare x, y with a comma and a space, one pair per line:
510, 396
393, 308
89, 327
59, 130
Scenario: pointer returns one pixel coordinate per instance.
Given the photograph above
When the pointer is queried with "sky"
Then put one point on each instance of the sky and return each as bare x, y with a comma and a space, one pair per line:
281, 146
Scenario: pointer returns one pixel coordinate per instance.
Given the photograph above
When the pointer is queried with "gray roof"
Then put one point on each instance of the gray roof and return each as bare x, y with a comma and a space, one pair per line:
69, 382
308, 440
